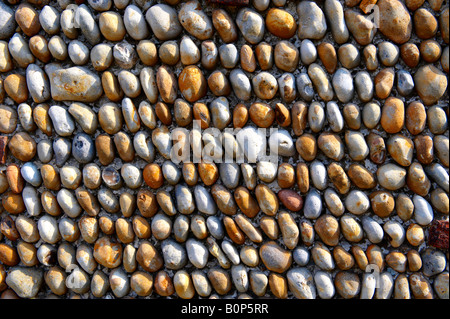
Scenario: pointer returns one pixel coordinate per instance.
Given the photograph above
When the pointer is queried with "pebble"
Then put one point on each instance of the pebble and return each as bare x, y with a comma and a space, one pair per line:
433, 262
251, 24
301, 256
274, 257
15, 86
349, 56
440, 285
163, 21
400, 30
195, 21
357, 202
423, 212
307, 12
343, 85
430, 84
25, 282
19, 51
301, 283
384, 82
8, 25
335, 15
313, 205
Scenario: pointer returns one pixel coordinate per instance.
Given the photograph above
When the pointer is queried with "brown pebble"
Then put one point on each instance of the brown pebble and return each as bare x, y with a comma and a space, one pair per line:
208, 172
384, 81
414, 260
339, 178
306, 146
225, 26
163, 284
224, 200
248, 58
262, 114
111, 87
106, 225
8, 228
302, 174
15, 179
278, 285
124, 146
42, 119
50, 204
410, 54
8, 255
269, 226
299, 115
148, 257
430, 51
153, 176
3, 150
264, 55
192, 83
291, 200
218, 84
233, 231
360, 257
327, 54
382, 203
425, 24
240, 115
393, 115
375, 256
13, 203
246, 202
28, 19
220, 280
423, 145
201, 113
420, 286
327, 228
344, 260
281, 23
361, 176
286, 175
147, 203
16, 87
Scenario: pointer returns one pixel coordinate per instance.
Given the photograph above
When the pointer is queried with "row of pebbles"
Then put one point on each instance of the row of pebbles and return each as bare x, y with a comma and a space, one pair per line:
92, 206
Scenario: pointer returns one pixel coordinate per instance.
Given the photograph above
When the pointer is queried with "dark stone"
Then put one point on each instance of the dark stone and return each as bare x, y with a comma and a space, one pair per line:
83, 148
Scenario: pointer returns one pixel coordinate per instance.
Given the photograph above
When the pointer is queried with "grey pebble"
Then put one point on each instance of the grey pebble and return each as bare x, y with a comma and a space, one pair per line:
50, 19
62, 148
31, 174
83, 149
433, 262
215, 227
171, 172
229, 174
313, 205
7, 21
204, 201
343, 85
305, 87
301, 255
174, 254
45, 151
405, 82
88, 25
229, 55
184, 199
